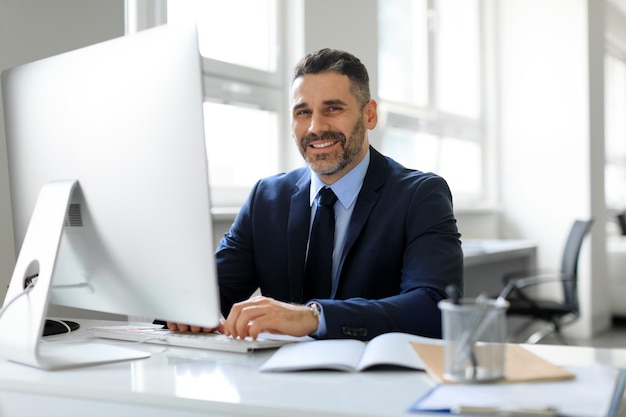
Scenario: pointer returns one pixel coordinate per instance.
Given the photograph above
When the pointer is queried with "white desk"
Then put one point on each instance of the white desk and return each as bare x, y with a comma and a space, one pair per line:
486, 261
191, 382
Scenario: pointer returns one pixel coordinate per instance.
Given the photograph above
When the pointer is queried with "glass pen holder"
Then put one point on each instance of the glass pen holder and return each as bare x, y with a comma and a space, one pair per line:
474, 332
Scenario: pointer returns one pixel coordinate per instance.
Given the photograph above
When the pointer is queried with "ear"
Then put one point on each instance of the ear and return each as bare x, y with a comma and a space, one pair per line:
370, 114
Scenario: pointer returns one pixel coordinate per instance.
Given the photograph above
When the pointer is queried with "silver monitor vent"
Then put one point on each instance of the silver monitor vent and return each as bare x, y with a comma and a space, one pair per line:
74, 217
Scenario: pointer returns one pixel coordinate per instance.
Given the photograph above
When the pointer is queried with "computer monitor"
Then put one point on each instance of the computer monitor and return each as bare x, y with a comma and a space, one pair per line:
109, 188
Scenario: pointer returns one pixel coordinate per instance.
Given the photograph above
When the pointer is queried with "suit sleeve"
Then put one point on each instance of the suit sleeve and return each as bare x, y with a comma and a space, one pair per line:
235, 259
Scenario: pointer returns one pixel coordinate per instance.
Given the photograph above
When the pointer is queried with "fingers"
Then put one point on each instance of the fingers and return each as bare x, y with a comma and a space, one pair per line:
262, 314
236, 325
183, 328
220, 327
177, 327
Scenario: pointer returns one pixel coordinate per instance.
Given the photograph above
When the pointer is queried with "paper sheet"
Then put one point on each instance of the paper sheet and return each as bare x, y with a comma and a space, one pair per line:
588, 395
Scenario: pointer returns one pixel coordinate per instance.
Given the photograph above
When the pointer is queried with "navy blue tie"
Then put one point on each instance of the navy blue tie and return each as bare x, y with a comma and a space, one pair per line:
319, 264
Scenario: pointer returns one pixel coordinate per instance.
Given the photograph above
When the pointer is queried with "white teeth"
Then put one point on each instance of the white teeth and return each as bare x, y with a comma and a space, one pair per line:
322, 145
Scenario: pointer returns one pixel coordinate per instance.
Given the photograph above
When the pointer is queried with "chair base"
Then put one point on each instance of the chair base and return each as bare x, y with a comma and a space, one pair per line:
534, 331
548, 330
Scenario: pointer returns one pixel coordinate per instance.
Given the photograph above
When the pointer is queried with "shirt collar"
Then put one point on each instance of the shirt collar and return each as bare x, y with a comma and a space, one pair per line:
346, 188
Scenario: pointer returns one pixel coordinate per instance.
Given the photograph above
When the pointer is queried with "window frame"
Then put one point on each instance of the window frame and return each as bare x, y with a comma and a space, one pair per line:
615, 47
430, 119
614, 163
236, 84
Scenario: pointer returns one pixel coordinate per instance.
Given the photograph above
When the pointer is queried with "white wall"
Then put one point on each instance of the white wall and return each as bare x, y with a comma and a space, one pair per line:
31, 30
551, 135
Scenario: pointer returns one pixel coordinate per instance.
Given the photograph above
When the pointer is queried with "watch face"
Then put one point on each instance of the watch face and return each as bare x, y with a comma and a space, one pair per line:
315, 309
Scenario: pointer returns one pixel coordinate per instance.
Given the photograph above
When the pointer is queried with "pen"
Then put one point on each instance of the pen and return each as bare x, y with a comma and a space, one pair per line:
464, 409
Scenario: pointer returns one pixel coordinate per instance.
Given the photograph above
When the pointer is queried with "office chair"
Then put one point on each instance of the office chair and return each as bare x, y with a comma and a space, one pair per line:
554, 314
621, 221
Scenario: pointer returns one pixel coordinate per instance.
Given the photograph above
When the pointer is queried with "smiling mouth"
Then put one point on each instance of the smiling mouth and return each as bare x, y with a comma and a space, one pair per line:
322, 145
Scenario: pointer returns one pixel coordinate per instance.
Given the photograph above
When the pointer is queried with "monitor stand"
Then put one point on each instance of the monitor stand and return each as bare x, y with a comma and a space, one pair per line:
24, 314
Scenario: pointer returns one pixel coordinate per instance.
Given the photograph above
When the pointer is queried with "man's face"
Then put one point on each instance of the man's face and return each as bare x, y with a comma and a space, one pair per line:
328, 125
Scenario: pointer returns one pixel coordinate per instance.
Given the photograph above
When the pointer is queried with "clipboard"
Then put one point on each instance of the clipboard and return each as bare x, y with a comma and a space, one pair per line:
521, 365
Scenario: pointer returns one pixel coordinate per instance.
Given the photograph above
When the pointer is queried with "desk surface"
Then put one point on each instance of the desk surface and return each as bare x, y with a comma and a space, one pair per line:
482, 251
196, 382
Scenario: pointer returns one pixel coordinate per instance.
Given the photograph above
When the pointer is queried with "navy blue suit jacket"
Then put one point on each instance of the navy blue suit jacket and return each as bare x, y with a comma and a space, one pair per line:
402, 249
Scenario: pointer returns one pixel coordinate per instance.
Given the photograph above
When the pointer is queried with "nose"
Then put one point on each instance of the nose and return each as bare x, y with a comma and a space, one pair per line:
318, 124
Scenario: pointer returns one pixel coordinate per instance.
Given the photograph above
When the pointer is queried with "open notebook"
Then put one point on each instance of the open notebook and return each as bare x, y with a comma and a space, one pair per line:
211, 341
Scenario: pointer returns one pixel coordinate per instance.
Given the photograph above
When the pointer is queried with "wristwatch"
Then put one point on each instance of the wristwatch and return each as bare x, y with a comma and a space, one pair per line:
315, 310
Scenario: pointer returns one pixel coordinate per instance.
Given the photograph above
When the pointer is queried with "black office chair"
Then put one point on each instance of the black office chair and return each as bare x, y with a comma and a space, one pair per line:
621, 221
555, 314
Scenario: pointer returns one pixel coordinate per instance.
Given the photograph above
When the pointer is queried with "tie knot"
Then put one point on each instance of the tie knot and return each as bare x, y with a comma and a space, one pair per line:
327, 197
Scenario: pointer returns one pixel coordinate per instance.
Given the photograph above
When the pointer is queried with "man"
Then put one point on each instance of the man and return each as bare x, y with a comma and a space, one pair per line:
396, 242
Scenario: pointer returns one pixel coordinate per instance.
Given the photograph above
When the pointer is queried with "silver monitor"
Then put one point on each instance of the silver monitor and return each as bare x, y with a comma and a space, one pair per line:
109, 185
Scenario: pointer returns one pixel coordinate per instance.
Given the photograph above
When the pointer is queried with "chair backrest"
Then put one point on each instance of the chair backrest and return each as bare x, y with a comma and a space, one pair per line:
621, 221
569, 262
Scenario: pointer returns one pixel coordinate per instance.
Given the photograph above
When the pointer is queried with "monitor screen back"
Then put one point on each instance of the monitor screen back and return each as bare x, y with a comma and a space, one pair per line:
123, 118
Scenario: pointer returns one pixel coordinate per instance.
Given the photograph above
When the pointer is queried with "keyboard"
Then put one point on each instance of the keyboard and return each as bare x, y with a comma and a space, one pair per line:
209, 341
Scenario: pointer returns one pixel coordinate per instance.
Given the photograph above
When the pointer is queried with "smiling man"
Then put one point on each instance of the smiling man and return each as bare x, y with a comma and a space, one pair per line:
394, 244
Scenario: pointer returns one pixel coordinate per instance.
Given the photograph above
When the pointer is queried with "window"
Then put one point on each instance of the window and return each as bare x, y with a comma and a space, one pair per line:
242, 87
250, 124
429, 77
615, 131
431, 95
215, 22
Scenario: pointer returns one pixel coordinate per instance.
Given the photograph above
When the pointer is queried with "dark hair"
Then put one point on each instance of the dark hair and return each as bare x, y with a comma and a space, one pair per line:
338, 61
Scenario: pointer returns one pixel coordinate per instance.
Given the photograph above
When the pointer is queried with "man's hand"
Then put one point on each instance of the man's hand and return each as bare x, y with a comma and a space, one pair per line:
180, 327
263, 314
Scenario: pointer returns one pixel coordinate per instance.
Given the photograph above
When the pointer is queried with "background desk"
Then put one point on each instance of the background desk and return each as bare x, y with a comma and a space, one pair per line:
486, 261
192, 382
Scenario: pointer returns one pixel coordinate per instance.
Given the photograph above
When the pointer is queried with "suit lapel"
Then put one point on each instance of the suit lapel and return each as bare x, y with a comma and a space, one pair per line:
365, 203
297, 235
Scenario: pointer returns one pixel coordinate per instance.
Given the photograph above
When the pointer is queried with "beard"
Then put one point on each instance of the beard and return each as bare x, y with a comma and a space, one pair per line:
331, 163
